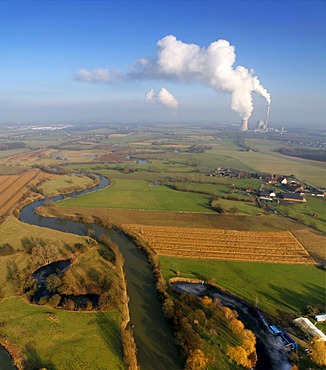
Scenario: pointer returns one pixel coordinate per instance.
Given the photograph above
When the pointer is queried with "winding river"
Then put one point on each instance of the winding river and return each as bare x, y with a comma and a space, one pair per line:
155, 342
156, 347
271, 351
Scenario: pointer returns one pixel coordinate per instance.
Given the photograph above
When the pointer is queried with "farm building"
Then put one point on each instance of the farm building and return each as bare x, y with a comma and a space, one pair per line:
293, 197
267, 200
321, 317
309, 328
267, 193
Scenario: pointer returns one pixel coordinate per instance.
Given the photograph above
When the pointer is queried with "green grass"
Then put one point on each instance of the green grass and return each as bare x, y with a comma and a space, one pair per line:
268, 160
311, 213
74, 340
12, 152
243, 207
286, 287
12, 231
137, 194
65, 183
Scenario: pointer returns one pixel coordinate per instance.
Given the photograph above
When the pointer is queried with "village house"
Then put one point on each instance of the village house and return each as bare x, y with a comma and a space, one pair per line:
292, 197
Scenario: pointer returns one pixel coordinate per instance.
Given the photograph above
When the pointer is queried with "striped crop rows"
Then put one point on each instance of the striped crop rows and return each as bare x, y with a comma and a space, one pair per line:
278, 247
13, 187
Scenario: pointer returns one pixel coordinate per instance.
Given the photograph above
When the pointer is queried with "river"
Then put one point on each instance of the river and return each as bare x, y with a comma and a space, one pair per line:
6, 362
271, 351
155, 342
156, 348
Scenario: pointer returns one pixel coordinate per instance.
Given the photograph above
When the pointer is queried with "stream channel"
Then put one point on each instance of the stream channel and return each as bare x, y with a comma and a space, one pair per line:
156, 347
271, 351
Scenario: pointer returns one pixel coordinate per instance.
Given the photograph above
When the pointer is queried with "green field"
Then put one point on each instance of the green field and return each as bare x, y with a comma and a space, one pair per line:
58, 339
137, 194
268, 160
55, 338
12, 231
289, 288
65, 183
311, 213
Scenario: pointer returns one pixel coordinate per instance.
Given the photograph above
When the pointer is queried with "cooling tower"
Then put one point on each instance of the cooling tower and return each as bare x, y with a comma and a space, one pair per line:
260, 125
244, 124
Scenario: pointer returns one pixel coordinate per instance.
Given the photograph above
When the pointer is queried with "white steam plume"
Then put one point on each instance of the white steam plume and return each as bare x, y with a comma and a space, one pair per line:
213, 66
163, 97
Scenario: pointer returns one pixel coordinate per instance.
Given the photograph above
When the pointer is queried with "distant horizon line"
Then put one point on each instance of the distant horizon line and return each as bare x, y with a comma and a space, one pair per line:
149, 121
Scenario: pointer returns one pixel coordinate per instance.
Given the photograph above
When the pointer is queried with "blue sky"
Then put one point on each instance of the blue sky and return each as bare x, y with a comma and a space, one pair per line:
43, 44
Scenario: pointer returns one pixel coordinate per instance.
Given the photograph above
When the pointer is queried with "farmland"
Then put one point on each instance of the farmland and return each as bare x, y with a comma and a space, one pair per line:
163, 185
138, 194
13, 187
276, 247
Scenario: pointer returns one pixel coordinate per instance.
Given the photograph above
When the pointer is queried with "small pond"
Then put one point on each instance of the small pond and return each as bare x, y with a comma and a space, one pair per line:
41, 275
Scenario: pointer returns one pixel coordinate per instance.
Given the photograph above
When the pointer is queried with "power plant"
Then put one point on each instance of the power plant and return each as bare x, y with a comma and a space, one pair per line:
261, 125
244, 124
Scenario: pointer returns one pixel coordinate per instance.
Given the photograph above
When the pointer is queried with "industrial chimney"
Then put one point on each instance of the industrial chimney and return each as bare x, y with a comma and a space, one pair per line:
267, 115
244, 124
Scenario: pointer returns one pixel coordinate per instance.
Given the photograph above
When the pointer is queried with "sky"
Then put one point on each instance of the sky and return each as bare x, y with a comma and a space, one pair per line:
143, 61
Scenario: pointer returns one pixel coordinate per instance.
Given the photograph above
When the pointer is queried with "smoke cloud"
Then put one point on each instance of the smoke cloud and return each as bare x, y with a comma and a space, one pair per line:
213, 66
163, 97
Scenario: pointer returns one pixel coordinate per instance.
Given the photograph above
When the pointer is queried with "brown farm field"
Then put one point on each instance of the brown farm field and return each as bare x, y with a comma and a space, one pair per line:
276, 247
311, 240
315, 243
13, 187
28, 156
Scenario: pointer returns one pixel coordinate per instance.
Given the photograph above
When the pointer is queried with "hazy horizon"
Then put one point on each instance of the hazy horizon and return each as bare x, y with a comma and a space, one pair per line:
73, 62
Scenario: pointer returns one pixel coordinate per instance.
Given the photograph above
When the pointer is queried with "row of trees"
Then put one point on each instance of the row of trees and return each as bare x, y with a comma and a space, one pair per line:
314, 154
13, 145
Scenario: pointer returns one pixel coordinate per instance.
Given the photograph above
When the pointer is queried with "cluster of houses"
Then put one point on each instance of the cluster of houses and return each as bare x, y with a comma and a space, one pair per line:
291, 191
238, 174
271, 196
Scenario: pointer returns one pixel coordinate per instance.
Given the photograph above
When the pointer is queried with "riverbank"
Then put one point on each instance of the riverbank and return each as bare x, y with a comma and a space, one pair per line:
271, 353
153, 338
18, 359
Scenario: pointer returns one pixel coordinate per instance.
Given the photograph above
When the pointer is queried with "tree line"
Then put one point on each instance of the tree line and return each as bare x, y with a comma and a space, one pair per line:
314, 154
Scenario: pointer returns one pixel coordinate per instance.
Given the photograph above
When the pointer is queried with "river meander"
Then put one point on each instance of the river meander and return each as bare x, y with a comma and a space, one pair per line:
156, 348
155, 342
271, 351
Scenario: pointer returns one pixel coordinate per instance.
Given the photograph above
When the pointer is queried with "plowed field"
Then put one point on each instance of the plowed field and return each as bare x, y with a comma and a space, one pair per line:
29, 156
277, 247
12, 188
315, 243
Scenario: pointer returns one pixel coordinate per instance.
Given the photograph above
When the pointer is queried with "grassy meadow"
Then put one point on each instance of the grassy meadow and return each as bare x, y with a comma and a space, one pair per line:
65, 183
138, 194
58, 339
311, 213
12, 231
289, 288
